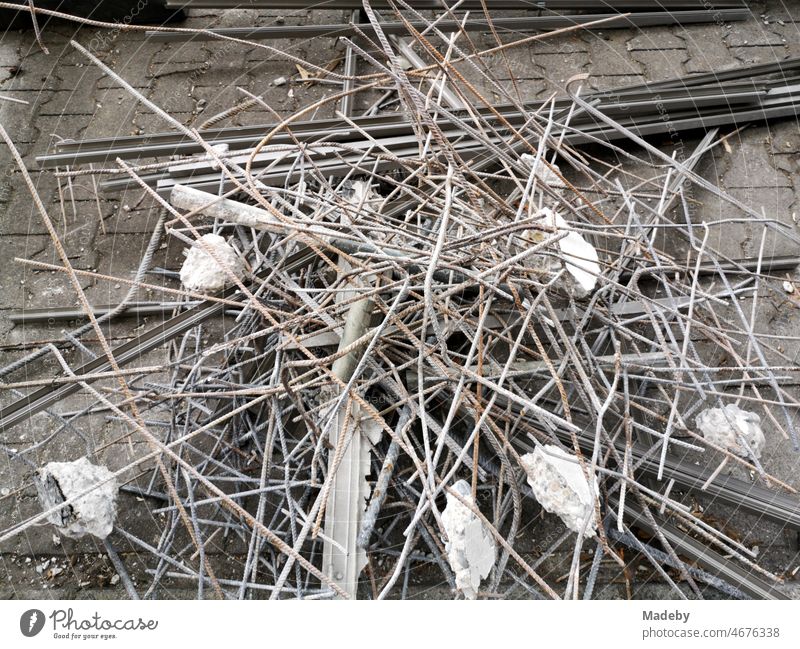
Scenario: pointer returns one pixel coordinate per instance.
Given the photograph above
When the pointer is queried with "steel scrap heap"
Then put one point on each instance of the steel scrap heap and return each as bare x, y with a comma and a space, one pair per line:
474, 345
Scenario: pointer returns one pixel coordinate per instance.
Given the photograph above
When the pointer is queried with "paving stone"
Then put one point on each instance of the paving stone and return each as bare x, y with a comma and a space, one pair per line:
69, 103
147, 122
52, 128
789, 164
20, 285
33, 78
752, 33
758, 55
226, 76
77, 240
660, 65
656, 38
164, 94
774, 204
751, 165
179, 52
556, 68
780, 10
610, 82
568, 44
134, 75
111, 119
118, 220
783, 136
610, 57
18, 214
9, 51
705, 49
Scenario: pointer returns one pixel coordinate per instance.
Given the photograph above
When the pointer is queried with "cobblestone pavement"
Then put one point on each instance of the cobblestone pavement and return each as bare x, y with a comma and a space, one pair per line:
69, 98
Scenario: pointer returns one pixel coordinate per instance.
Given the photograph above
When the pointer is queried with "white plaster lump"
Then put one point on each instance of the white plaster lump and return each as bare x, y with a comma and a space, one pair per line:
580, 256
93, 513
724, 426
470, 547
560, 486
202, 273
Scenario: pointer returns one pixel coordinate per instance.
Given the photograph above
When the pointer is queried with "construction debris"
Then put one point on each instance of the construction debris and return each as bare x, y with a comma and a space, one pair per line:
580, 257
211, 264
559, 484
732, 428
89, 491
470, 547
443, 313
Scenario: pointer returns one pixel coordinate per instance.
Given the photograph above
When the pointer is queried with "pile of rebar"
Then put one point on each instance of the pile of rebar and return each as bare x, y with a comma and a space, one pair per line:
456, 348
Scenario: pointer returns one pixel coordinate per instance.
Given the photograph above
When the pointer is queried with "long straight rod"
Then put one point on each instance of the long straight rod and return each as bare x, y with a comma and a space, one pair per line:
697, 88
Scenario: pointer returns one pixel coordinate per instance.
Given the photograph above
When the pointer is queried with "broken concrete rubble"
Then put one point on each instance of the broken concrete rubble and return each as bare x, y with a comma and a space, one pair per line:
580, 256
204, 273
470, 546
732, 428
558, 483
91, 513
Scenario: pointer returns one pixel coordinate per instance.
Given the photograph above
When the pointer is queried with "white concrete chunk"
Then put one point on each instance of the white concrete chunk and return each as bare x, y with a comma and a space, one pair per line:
544, 173
728, 425
560, 486
201, 272
93, 513
580, 256
470, 547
